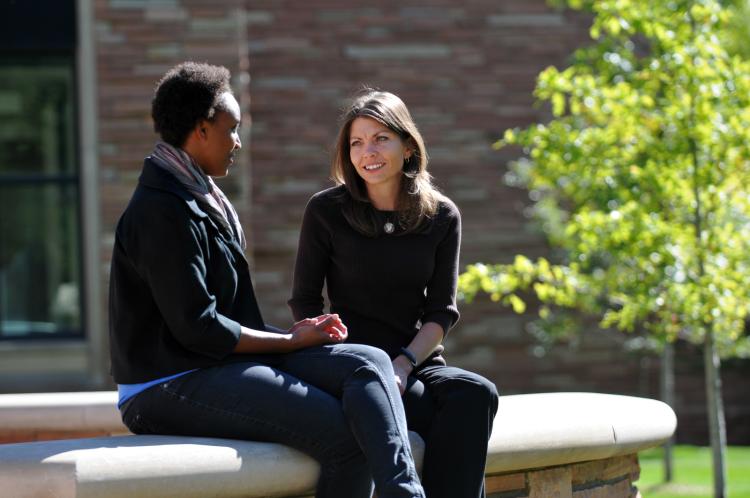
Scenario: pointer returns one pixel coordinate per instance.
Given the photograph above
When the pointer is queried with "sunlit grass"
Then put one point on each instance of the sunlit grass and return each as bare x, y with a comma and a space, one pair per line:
692, 473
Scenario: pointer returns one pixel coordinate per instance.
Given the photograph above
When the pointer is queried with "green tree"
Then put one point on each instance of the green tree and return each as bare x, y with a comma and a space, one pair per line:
642, 179
737, 36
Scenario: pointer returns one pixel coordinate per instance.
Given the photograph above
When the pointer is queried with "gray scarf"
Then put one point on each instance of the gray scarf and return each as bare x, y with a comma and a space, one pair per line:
208, 195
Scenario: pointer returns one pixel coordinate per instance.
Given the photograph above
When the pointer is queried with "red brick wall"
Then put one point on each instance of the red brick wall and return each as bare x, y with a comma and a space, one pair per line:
467, 72
465, 69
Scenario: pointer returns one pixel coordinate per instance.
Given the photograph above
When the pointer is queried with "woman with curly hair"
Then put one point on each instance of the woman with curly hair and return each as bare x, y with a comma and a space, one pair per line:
386, 244
190, 351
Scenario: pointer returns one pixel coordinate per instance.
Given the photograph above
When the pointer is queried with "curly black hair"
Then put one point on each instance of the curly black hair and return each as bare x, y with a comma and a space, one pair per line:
187, 94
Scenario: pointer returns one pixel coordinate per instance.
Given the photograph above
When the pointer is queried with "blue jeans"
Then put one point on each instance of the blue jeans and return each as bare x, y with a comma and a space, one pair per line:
337, 403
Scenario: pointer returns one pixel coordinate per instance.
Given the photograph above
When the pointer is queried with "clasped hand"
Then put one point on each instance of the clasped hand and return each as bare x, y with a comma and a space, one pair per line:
323, 329
329, 329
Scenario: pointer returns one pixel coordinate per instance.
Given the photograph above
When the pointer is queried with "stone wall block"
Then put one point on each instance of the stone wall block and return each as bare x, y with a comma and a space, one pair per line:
506, 483
550, 483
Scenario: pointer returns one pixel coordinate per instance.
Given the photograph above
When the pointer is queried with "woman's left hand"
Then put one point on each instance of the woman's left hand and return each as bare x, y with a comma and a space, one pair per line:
402, 368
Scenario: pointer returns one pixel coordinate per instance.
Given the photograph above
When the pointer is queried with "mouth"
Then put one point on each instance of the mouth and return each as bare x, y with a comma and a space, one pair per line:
374, 167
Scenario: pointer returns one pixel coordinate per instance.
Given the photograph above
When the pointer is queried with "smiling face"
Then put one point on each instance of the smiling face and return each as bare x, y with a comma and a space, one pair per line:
378, 155
219, 138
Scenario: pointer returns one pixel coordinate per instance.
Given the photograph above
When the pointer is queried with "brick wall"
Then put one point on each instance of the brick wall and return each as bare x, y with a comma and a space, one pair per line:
136, 43
465, 69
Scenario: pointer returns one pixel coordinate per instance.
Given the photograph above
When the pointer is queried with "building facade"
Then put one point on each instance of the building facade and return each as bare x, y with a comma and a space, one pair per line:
76, 109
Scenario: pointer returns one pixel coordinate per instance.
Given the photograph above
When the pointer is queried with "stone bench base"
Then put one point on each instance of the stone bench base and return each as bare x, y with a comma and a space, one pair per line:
608, 478
563, 445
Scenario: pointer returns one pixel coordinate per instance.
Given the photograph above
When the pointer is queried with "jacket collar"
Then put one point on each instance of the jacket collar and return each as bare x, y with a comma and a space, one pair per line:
158, 178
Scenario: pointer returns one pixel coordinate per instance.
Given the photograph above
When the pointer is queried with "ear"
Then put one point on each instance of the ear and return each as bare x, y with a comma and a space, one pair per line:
411, 146
200, 132
196, 138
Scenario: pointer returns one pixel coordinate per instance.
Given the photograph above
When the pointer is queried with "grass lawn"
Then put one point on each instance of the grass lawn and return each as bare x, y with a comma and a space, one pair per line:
692, 473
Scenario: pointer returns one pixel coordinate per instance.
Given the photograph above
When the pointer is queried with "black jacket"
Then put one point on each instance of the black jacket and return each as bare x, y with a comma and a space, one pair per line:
179, 288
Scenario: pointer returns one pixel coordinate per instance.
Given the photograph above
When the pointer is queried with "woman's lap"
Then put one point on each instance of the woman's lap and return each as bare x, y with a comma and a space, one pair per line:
431, 387
291, 399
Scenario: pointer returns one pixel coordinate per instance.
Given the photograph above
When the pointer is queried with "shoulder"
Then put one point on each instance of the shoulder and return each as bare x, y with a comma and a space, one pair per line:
447, 212
153, 214
328, 199
332, 195
149, 204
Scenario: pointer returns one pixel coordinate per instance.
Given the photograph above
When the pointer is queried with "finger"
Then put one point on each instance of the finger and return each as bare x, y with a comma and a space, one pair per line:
304, 321
335, 337
327, 322
340, 328
401, 385
298, 325
337, 331
335, 317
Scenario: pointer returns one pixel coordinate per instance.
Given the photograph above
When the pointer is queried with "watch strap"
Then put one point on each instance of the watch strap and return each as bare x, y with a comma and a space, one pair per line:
409, 356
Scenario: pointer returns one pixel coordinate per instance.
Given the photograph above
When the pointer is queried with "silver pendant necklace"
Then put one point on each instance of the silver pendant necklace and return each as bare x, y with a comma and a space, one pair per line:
388, 227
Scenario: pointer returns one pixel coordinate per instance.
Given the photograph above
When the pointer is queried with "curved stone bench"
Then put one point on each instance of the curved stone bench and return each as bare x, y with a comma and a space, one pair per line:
44, 416
542, 445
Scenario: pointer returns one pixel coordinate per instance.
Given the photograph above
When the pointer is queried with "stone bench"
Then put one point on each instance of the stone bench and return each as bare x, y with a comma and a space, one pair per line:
560, 444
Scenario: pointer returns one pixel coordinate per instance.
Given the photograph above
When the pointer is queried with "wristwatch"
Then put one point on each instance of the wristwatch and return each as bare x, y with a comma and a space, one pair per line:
409, 356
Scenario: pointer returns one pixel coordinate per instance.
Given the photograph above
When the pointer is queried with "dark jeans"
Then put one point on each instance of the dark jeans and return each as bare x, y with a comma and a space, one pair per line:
453, 410
338, 403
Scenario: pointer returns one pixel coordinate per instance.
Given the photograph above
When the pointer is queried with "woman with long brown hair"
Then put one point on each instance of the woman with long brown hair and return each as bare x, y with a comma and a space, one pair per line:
386, 243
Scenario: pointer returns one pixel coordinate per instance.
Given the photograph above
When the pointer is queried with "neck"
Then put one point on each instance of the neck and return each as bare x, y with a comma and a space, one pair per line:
194, 152
383, 197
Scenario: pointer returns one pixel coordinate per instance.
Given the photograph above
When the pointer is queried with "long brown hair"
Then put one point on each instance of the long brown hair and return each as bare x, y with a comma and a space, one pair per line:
418, 199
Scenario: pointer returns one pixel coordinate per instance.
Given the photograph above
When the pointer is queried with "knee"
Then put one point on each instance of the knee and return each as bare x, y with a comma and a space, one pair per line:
477, 391
372, 357
485, 392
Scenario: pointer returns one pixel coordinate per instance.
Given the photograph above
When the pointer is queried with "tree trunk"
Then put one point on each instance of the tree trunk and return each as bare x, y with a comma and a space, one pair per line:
715, 410
667, 396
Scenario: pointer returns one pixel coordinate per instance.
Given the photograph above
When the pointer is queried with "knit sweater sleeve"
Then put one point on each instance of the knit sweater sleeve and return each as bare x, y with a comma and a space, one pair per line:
313, 259
440, 306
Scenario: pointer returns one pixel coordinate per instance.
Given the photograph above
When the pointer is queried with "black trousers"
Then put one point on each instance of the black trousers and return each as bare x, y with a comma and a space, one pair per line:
453, 410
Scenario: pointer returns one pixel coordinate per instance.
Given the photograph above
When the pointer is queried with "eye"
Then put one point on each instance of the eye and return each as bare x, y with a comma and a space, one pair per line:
355, 143
382, 138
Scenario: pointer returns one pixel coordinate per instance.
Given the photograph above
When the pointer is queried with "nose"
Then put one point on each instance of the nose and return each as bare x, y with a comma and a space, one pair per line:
370, 149
237, 142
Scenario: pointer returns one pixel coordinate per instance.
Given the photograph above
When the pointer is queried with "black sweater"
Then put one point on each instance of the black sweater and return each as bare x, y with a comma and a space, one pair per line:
179, 288
384, 287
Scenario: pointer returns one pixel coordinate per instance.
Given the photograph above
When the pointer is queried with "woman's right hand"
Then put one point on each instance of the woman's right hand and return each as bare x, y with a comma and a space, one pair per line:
323, 329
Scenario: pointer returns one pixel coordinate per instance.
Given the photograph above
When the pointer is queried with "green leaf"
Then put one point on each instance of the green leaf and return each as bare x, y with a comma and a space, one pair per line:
517, 303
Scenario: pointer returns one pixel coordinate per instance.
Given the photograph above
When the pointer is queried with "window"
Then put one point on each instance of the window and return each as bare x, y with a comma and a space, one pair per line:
40, 254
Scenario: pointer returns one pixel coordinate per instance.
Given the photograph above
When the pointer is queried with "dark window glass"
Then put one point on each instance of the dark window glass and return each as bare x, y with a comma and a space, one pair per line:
40, 272
47, 26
